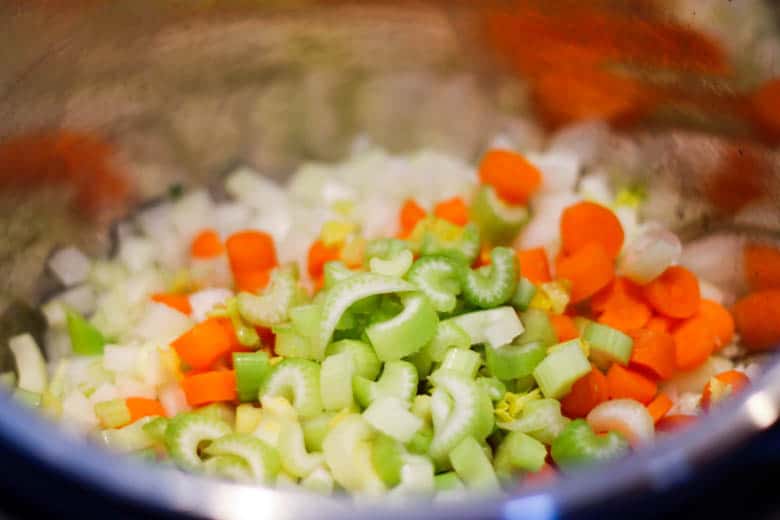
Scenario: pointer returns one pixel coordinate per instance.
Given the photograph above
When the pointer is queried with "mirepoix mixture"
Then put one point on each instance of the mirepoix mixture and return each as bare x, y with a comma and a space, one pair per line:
409, 325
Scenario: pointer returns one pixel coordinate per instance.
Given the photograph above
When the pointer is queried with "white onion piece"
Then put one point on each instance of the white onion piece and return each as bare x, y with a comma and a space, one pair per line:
148, 367
81, 299
105, 392
649, 254
559, 170
54, 312
694, 380
70, 265
230, 217
595, 187
711, 292
120, 358
156, 221
137, 253
162, 323
128, 386
57, 345
78, 412
203, 301
626, 416
192, 213
173, 400
212, 272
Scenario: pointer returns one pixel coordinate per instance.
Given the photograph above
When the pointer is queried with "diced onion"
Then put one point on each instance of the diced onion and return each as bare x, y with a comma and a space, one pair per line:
650, 253
70, 265
204, 301
162, 323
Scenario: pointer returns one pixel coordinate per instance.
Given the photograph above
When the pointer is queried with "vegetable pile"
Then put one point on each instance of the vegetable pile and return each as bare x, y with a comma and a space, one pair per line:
389, 325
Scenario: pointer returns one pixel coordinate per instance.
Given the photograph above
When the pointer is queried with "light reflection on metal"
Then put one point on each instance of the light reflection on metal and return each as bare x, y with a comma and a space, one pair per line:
761, 409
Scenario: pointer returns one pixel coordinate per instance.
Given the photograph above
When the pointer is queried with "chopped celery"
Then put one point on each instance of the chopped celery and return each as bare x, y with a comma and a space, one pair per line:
315, 429
473, 467
387, 459
538, 327
292, 449
578, 444
247, 418
336, 374
336, 271
30, 365
562, 367
519, 451
364, 357
438, 277
390, 416
498, 221
493, 387
156, 428
421, 442
228, 466
607, 345
557, 294
348, 454
306, 319
396, 265
405, 333
113, 413
421, 407
465, 362
422, 361
262, 459
85, 338
514, 361
220, 411
292, 344
494, 327
132, 437
448, 482
539, 418
384, 248
272, 306
186, 432
319, 481
246, 335
298, 380
448, 335
524, 293
440, 237
398, 379
492, 285
252, 368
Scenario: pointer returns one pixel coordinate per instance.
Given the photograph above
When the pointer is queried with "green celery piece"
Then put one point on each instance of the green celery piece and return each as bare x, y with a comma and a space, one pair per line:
113, 413
262, 459
396, 265
421, 442
156, 428
562, 367
466, 362
306, 319
493, 327
247, 418
538, 327
399, 379
336, 374
541, 419
230, 467
493, 285
292, 451
366, 362
348, 454
422, 362
387, 458
498, 222
220, 411
290, 343
252, 368
186, 432
272, 306
448, 335
85, 338
336, 271
434, 236
384, 248
473, 467
607, 345
514, 361
524, 293
493, 387
407, 332
519, 451
315, 429
448, 482
297, 380
390, 416
578, 445
438, 277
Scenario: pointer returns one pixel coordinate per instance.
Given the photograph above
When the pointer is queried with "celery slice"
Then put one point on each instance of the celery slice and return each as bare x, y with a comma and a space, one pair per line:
519, 451
514, 361
494, 327
473, 467
315, 429
247, 418
384, 248
186, 432
398, 379
336, 271
607, 345
541, 419
262, 459
298, 380
387, 459
448, 335
493, 387
85, 338
524, 293
438, 277
366, 363
538, 327
422, 362
252, 368
220, 411
132, 437
562, 367
405, 333
498, 222
348, 454
417, 477
465, 362
113, 413
578, 445
319, 481
336, 375
440, 237
448, 482
230, 467
272, 306
306, 319
295, 459
292, 344
421, 441
396, 265
30, 365
391, 417
492, 285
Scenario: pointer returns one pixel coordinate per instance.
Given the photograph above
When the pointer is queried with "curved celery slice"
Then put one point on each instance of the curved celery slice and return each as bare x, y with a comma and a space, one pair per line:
262, 459
387, 459
494, 327
290, 343
347, 450
577, 444
465, 362
540, 418
396, 265
30, 365
390, 416
448, 335
341, 296
366, 363
440, 237
292, 450
438, 278
399, 379
448, 482
228, 466
524, 293
498, 221
113, 413
336, 271
155, 428
493, 285
186, 432
132, 437
315, 429
538, 327
519, 451
421, 442
272, 306
514, 361
298, 380
248, 418
336, 374
607, 345
562, 367
384, 248
472, 465
319, 481
494, 388
405, 333
417, 477
422, 362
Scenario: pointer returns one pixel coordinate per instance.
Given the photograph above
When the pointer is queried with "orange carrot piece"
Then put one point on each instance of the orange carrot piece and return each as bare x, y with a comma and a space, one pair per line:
141, 407
587, 222
564, 327
659, 407
453, 210
534, 265
720, 321
661, 323
735, 380
694, 342
513, 177
180, 302
654, 352
627, 384
252, 281
589, 270
201, 346
587, 393
675, 293
762, 266
210, 387
411, 213
673, 423
206, 244
319, 255
251, 251
757, 318
623, 308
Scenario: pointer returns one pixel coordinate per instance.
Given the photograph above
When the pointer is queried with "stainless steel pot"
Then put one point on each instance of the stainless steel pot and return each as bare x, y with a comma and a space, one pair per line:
185, 90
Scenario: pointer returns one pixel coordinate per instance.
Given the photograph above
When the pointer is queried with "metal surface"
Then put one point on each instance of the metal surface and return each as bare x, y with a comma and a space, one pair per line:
182, 91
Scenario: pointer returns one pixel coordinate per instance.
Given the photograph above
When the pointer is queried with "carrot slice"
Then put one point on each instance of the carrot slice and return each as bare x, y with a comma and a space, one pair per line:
587, 393
206, 244
720, 321
511, 175
762, 266
673, 423
675, 293
251, 251
623, 308
411, 213
627, 384
534, 265
453, 210
735, 381
210, 387
694, 342
589, 270
201, 346
319, 255
180, 302
659, 407
564, 327
661, 323
141, 407
654, 352
587, 222
252, 281
757, 318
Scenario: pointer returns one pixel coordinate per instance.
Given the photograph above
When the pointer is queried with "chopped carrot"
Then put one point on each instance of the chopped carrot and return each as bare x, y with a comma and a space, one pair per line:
201, 346
757, 318
589, 270
411, 213
180, 302
587, 393
206, 244
673, 423
547, 475
210, 387
734, 380
564, 327
720, 321
453, 210
661, 323
319, 255
534, 265
627, 384
251, 251
762, 266
623, 307
252, 281
586, 222
654, 352
484, 257
675, 293
513, 177
318, 283
659, 407
141, 407
693, 343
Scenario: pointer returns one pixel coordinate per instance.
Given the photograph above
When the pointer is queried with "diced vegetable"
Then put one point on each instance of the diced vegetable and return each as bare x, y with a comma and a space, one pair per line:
405, 333
30, 365
607, 345
514, 361
252, 368
297, 380
492, 285
494, 327
562, 367
85, 339
578, 444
